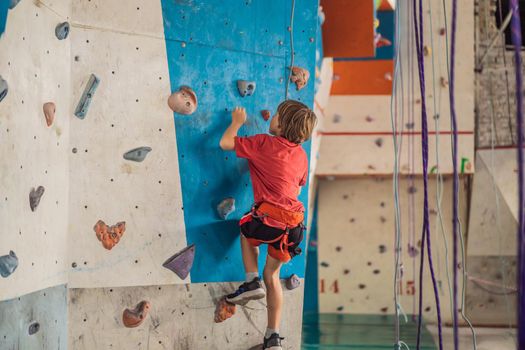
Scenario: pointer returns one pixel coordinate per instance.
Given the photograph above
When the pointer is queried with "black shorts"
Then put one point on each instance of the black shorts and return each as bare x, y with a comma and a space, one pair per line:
258, 233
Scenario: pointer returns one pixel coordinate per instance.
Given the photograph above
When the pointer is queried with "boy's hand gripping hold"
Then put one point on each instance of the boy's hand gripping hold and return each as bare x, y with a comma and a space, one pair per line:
227, 142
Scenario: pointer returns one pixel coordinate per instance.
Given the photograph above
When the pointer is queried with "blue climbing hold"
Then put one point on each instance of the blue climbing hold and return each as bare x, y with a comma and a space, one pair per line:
226, 207
137, 154
8, 264
62, 30
85, 100
3, 88
246, 88
13, 3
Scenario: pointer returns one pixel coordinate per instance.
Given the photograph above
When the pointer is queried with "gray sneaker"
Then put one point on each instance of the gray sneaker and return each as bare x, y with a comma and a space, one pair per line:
247, 291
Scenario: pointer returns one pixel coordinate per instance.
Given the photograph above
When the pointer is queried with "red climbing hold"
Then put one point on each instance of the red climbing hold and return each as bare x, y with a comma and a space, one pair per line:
224, 310
49, 112
109, 235
183, 101
300, 77
266, 114
134, 317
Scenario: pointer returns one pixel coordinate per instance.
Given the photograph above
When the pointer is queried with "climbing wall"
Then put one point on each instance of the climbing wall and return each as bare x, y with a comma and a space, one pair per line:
362, 122
36, 67
356, 245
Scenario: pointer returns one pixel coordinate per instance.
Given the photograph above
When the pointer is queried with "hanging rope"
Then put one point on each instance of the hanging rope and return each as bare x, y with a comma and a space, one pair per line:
516, 41
418, 26
292, 53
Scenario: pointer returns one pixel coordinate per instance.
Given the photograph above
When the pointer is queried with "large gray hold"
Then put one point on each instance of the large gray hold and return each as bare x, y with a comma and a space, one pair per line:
226, 207
293, 282
34, 197
137, 154
8, 264
62, 30
3, 88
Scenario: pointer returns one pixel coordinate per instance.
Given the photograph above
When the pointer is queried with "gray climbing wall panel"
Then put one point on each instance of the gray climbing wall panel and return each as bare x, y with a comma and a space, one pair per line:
180, 318
44, 311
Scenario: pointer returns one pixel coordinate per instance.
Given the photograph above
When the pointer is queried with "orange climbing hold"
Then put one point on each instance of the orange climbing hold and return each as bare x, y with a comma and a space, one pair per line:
266, 114
134, 317
224, 310
300, 77
49, 112
109, 235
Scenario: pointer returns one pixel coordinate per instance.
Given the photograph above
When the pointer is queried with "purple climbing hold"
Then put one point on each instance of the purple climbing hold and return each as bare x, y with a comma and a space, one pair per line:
35, 196
34, 328
412, 251
8, 264
181, 262
226, 207
293, 282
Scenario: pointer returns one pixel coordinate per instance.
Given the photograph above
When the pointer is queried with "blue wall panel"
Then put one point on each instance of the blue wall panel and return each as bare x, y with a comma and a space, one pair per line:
4, 6
210, 45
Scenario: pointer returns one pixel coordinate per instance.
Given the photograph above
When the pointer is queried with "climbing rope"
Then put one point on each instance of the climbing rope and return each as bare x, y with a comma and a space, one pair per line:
418, 28
516, 41
292, 53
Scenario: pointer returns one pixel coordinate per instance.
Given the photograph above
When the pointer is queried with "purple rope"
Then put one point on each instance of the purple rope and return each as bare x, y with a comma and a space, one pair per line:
516, 41
455, 180
424, 141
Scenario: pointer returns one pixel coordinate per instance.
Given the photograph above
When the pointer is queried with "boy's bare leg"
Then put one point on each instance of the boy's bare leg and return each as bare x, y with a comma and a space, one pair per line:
274, 292
250, 255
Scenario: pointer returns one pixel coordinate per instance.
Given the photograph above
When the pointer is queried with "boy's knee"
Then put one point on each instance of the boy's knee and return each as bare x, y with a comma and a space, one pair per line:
270, 278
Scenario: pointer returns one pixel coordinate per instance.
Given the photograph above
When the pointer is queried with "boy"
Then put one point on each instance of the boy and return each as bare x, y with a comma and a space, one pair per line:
278, 169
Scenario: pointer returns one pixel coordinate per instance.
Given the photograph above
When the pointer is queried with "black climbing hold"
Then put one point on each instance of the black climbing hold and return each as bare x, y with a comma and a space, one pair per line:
338, 249
4, 88
293, 282
137, 154
324, 264
181, 262
13, 3
74, 265
337, 118
340, 308
35, 196
382, 248
8, 264
379, 142
87, 95
226, 207
377, 272
34, 328
62, 30
246, 88
362, 286
346, 271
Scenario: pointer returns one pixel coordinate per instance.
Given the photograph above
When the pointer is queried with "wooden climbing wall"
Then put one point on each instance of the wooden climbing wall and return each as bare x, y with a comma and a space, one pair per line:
36, 67
356, 231
358, 125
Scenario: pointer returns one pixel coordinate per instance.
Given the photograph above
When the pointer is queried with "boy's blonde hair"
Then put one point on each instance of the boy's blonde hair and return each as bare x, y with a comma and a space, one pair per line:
296, 121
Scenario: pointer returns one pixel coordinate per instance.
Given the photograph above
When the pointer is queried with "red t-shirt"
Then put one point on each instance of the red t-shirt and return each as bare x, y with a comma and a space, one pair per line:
278, 168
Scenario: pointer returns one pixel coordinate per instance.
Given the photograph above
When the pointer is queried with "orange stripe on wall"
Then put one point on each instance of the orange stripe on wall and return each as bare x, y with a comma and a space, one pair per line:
348, 30
362, 77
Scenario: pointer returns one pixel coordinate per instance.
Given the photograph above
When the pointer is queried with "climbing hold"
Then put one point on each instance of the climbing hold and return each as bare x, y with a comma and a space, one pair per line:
433, 170
324, 264
134, 317
62, 30
109, 235
340, 308
224, 310
183, 101
8, 264
137, 154
443, 82
300, 77
379, 41
369, 119
181, 262
87, 95
4, 88
33, 328
293, 282
49, 112
34, 197
226, 207
13, 3
246, 88
266, 114
410, 126
388, 76
427, 50
382, 248
379, 142
346, 271
336, 119
442, 31
338, 249
412, 251
412, 189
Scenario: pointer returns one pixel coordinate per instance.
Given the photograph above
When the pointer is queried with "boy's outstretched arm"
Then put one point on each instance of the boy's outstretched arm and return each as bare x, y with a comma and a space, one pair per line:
227, 142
